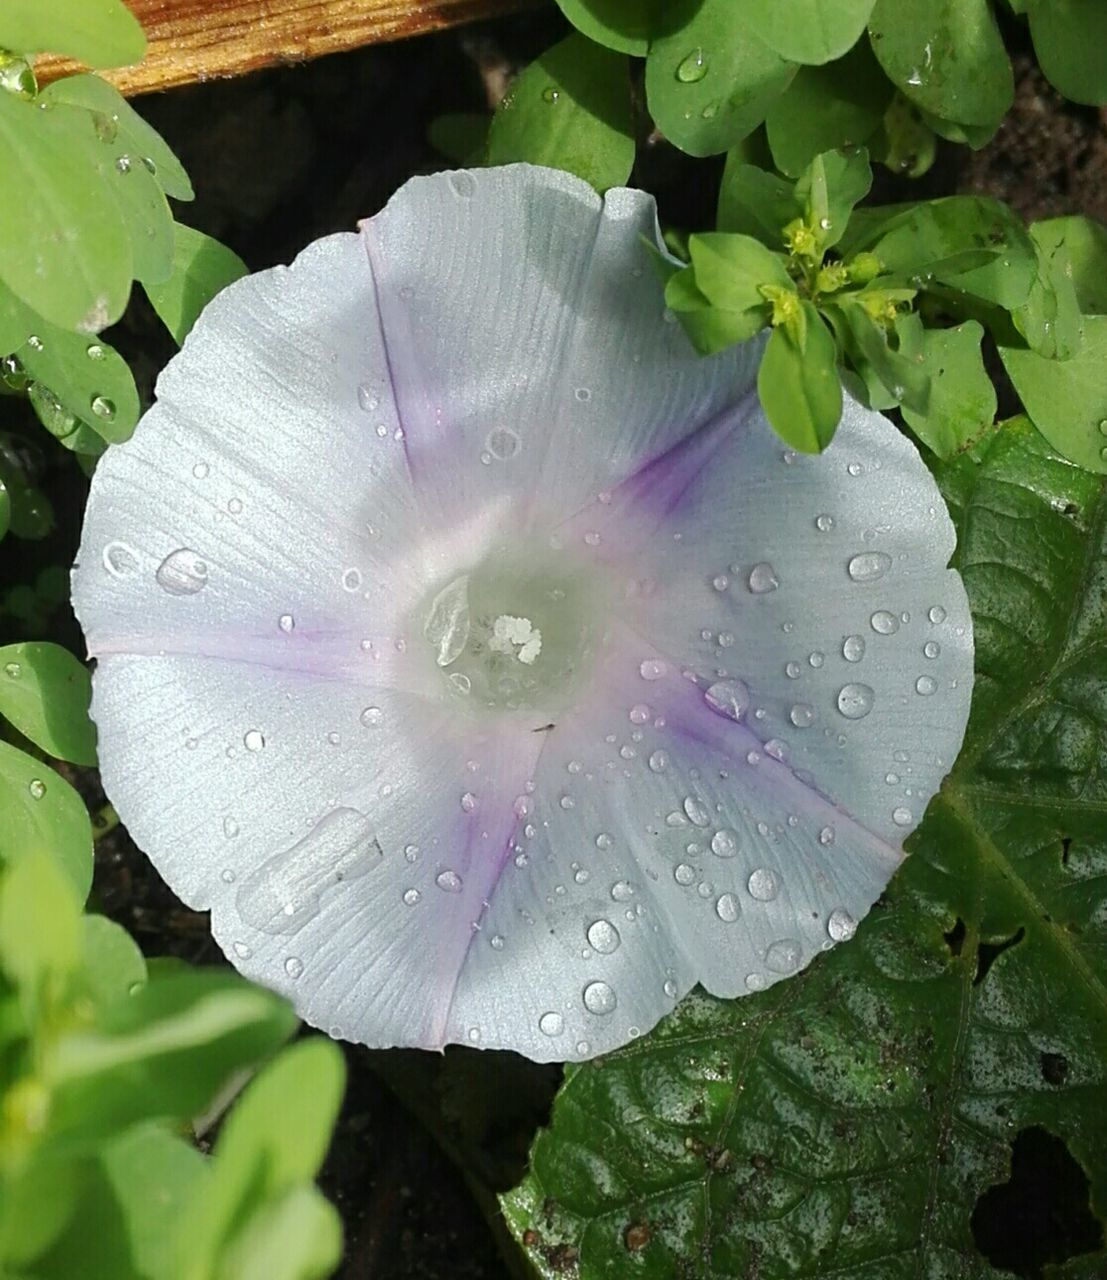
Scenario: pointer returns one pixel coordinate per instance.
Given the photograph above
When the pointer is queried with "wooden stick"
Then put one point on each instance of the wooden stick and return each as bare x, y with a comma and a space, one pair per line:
192, 40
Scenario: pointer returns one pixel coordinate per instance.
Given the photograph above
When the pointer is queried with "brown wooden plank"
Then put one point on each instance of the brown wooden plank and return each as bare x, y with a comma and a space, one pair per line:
192, 40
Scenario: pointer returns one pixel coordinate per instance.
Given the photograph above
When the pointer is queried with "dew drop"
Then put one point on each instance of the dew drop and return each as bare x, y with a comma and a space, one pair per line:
683, 874
932, 649
502, 443
720, 582
763, 885
242, 950
411, 897
724, 843
855, 701
670, 988
102, 407
659, 761
926, 685
286, 622
622, 891
448, 881
496, 942
182, 573
366, 398
729, 698
726, 908
802, 715
763, 578
853, 648
37, 788
599, 998
200, 470
13, 670
230, 828
463, 184
468, 802
371, 717
692, 68
792, 670
841, 925
826, 836
652, 669
824, 523
783, 956
253, 740
884, 623
551, 1024
351, 580
120, 560
937, 615
696, 811
603, 937
902, 816
639, 713
234, 506
294, 967
868, 566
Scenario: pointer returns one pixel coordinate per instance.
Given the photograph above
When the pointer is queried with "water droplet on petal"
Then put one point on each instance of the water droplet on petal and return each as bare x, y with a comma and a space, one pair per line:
120, 560
253, 740
696, 811
366, 398
652, 669
763, 885
622, 891
783, 956
371, 717
230, 828
599, 998
902, 816
659, 761
826, 836
730, 698
448, 881
502, 443
926, 685
802, 715
724, 843
937, 615
853, 648
932, 649
869, 566
824, 523
468, 802
855, 701
551, 1024
841, 925
294, 967
763, 578
200, 471
683, 874
726, 908
182, 573
884, 623
603, 937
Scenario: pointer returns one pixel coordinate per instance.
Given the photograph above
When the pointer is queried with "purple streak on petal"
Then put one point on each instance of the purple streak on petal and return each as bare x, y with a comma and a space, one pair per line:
632, 511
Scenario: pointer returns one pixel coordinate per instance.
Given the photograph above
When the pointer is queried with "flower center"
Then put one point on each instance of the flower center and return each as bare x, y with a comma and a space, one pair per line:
513, 632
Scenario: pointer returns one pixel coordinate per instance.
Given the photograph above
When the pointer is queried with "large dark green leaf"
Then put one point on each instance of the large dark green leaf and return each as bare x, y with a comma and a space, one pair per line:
1069, 39
45, 692
810, 31
848, 1123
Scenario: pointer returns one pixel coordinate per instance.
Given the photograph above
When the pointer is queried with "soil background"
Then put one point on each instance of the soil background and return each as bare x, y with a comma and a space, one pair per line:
278, 159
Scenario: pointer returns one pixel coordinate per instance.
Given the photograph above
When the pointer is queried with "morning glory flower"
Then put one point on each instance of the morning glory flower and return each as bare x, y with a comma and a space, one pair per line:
478, 656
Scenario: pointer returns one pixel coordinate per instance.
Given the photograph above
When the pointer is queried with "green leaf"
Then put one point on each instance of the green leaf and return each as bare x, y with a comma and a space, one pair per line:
974, 245
1085, 244
809, 31
64, 249
40, 923
101, 33
906, 144
711, 329
1067, 399
754, 202
946, 56
163, 1053
830, 187
1050, 320
709, 79
113, 965
40, 810
904, 378
570, 109
1069, 38
154, 1175
826, 108
962, 400
201, 268
256, 1161
45, 692
799, 386
622, 25
730, 270
123, 130
296, 1237
847, 1122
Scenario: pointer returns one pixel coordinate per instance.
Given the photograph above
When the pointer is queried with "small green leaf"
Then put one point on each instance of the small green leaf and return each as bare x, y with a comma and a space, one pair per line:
40, 923
1050, 320
257, 1162
1085, 244
799, 388
962, 402
754, 202
946, 56
904, 378
64, 249
711, 329
1067, 399
710, 80
829, 189
730, 270
1069, 38
113, 965
84, 380
570, 109
163, 1053
40, 810
201, 268
906, 144
101, 33
122, 130
622, 25
297, 1236
826, 108
808, 31
45, 692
